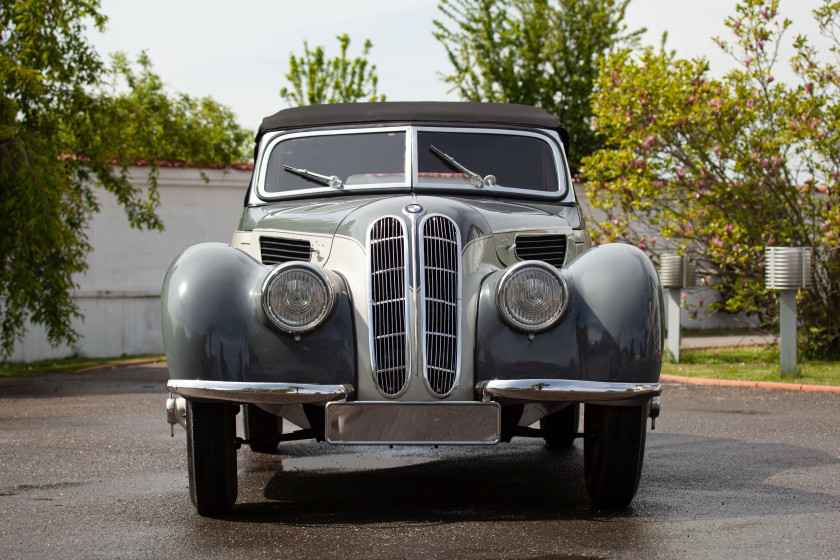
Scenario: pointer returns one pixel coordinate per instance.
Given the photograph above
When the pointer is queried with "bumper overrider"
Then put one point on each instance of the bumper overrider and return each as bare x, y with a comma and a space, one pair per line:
390, 422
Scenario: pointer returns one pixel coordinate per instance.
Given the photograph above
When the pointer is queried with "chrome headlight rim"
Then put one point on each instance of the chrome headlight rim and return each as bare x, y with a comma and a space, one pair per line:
322, 277
501, 300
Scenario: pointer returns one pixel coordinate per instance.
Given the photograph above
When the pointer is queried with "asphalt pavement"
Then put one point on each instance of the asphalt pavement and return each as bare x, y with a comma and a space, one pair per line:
88, 470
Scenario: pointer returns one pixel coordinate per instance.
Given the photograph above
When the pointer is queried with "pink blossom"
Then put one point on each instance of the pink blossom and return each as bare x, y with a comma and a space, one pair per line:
700, 302
694, 313
770, 79
728, 229
649, 142
682, 173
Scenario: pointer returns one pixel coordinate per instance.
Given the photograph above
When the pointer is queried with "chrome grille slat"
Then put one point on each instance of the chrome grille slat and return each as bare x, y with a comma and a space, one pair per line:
389, 341
440, 256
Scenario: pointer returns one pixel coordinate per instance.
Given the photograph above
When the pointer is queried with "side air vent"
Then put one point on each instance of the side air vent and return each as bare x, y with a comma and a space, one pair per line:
388, 314
277, 250
550, 249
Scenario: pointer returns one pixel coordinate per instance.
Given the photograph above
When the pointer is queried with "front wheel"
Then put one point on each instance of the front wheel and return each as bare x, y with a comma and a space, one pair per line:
211, 457
613, 450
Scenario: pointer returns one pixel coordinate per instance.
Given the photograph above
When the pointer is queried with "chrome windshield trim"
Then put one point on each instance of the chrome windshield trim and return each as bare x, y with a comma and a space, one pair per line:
258, 393
566, 390
411, 163
273, 140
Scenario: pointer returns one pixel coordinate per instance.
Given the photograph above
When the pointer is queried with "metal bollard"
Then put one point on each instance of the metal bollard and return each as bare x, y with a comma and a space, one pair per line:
787, 269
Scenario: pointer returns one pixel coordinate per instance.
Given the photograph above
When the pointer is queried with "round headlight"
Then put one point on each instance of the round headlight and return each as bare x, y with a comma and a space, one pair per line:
532, 296
297, 297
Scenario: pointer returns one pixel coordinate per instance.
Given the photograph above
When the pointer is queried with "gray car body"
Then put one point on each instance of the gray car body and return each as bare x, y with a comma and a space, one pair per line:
606, 347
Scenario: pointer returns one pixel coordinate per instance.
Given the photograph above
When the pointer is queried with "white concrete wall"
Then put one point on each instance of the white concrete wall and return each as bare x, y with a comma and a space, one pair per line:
119, 295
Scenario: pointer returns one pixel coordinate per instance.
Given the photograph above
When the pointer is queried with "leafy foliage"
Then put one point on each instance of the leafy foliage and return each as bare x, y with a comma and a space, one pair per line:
723, 168
316, 79
63, 128
533, 52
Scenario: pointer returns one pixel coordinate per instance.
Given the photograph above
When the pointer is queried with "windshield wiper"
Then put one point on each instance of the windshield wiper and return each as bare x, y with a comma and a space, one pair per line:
330, 181
489, 180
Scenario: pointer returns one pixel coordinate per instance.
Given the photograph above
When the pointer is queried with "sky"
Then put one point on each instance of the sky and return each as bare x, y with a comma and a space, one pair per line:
238, 52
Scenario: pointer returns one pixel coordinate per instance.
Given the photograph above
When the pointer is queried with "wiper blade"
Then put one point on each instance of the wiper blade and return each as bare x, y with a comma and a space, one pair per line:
489, 180
330, 181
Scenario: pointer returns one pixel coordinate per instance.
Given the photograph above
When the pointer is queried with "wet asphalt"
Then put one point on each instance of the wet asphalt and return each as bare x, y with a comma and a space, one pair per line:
88, 470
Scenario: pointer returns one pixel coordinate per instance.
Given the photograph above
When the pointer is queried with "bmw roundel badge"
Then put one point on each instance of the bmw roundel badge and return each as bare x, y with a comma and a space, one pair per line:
413, 208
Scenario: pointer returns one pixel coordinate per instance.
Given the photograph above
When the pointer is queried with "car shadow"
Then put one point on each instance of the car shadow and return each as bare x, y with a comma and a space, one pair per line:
683, 476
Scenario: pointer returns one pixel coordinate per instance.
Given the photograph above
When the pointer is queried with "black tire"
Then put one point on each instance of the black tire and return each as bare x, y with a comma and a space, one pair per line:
211, 457
262, 429
613, 450
559, 429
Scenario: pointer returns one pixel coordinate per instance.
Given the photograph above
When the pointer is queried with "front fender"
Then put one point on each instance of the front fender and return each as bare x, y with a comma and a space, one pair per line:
611, 331
214, 327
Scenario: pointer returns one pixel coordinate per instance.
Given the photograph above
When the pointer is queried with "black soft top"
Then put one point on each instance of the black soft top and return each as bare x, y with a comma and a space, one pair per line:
413, 111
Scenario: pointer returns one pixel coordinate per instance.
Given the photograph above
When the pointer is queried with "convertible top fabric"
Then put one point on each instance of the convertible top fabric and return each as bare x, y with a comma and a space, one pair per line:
411, 112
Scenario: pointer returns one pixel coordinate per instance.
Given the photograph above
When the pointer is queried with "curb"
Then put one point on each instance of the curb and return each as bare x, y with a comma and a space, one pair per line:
751, 384
122, 364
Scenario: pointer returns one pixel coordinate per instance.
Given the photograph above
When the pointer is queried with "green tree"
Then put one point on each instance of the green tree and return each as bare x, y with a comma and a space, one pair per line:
543, 53
66, 132
316, 79
724, 167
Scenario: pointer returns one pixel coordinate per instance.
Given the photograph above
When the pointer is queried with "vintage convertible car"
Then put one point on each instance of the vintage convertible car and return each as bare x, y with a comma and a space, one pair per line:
417, 274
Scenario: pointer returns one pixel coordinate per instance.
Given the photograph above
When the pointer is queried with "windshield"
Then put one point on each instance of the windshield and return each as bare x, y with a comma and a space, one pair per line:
515, 161
355, 159
502, 161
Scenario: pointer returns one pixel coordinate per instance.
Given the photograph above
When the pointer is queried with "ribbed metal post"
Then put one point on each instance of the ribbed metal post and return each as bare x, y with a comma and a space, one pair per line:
787, 332
674, 334
787, 269
675, 273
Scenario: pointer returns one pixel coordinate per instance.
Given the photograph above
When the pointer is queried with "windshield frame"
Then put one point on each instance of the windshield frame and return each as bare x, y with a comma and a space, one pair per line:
412, 182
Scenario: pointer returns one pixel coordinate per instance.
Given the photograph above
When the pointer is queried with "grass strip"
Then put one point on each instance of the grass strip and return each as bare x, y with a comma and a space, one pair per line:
751, 363
68, 365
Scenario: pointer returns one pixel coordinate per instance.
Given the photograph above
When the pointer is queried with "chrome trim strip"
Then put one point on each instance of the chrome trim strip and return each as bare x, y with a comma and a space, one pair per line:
258, 393
424, 337
573, 390
413, 423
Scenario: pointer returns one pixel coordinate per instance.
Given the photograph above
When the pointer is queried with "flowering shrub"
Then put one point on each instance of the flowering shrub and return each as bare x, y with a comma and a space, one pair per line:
724, 167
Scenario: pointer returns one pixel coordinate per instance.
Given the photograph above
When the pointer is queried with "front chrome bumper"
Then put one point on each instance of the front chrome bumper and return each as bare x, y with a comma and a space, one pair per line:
566, 390
532, 390
258, 393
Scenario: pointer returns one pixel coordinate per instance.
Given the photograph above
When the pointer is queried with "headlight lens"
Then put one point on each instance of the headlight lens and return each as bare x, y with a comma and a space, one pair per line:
532, 296
297, 297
